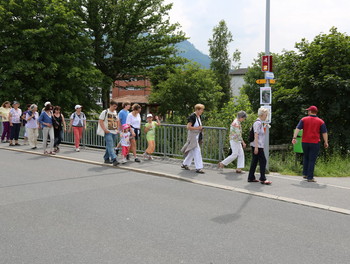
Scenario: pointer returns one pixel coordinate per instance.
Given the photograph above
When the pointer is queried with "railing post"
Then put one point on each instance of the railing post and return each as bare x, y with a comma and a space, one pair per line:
165, 141
220, 145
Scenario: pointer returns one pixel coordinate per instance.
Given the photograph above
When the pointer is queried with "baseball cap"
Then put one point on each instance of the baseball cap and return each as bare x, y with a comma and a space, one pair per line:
47, 103
149, 115
125, 126
312, 108
15, 102
77, 106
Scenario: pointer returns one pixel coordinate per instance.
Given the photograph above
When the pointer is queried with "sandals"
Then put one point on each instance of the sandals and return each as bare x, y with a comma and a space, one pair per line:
200, 171
253, 181
220, 166
185, 167
266, 182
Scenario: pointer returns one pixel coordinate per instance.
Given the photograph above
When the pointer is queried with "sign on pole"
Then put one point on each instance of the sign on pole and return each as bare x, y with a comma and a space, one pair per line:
266, 63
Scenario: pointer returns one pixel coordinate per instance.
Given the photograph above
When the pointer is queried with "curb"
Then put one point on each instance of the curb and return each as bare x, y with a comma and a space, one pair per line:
199, 182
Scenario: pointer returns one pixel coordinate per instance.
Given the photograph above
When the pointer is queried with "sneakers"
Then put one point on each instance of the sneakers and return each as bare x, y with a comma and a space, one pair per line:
123, 161
137, 160
108, 161
77, 149
311, 180
115, 162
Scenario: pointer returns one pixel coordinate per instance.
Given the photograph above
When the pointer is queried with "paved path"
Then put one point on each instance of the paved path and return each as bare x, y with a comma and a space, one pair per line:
332, 194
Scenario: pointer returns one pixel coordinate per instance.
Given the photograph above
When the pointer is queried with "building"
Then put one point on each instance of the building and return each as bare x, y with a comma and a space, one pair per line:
237, 80
134, 90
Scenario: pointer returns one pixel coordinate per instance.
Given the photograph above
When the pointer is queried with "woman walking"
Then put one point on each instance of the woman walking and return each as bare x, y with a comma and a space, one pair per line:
15, 123
236, 143
32, 118
134, 121
191, 149
257, 145
59, 126
45, 121
78, 122
4, 113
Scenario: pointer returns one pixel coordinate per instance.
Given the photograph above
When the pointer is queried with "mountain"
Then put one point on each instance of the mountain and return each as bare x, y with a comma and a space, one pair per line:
188, 50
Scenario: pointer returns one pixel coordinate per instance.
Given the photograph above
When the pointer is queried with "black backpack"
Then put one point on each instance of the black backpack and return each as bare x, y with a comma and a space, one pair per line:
251, 132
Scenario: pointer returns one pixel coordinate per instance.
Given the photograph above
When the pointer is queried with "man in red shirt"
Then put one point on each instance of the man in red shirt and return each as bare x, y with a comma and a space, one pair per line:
312, 127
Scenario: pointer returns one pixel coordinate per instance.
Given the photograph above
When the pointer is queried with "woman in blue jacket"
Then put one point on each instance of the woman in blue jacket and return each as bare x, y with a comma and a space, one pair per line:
45, 121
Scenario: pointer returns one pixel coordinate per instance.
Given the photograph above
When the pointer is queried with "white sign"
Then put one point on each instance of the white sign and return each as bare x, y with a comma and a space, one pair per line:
265, 95
269, 75
269, 115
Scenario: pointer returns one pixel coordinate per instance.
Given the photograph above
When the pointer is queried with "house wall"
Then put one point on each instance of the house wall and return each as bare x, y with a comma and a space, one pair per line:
124, 88
237, 81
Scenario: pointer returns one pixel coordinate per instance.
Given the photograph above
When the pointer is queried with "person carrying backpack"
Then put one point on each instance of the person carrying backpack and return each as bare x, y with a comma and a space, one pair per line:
236, 143
257, 146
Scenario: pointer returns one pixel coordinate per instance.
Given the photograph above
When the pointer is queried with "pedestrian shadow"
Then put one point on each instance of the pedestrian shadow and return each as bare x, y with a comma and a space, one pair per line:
255, 186
229, 218
189, 174
310, 185
231, 176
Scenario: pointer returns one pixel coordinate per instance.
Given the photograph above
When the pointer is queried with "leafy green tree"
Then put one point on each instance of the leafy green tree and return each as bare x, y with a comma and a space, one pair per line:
220, 59
130, 37
45, 55
188, 86
318, 73
324, 77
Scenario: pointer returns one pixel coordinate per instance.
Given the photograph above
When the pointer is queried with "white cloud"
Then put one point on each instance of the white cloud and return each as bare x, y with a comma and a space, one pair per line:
290, 22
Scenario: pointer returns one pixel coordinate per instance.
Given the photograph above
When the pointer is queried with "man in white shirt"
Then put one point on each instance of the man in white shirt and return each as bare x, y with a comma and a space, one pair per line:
110, 123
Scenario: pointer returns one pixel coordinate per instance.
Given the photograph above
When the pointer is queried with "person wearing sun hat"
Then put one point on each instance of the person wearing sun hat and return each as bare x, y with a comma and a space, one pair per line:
312, 127
150, 136
78, 122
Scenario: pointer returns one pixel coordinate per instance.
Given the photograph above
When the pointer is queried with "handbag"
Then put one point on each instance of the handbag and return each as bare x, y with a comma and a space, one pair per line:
100, 131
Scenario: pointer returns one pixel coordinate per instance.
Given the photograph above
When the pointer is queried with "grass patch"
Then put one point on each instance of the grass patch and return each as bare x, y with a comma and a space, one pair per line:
336, 165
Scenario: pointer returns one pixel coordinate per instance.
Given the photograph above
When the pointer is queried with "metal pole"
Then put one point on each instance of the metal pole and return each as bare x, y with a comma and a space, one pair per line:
267, 84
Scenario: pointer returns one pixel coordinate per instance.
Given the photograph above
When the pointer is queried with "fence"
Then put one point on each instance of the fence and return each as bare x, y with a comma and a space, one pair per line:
169, 140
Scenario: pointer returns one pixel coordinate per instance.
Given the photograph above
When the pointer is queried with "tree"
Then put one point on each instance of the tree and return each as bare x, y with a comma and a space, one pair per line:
318, 73
130, 37
188, 86
220, 59
324, 76
45, 55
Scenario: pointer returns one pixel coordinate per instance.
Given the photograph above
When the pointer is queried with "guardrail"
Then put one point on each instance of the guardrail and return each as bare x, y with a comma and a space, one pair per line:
169, 140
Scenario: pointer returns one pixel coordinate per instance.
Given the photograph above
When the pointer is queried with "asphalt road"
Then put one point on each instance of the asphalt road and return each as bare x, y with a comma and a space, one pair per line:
58, 211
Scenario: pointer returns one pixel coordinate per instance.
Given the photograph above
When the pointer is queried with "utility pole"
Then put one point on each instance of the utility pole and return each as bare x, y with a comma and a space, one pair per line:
267, 84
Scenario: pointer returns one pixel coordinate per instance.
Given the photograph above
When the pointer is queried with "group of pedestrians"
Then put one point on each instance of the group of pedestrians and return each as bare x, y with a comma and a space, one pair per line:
312, 127
128, 126
50, 120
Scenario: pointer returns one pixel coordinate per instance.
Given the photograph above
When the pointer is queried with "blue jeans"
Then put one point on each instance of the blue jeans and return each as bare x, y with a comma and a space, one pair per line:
310, 155
110, 144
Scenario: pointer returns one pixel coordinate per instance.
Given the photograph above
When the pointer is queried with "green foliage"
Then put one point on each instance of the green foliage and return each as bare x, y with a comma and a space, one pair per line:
130, 37
317, 74
335, 165
186, 87
221, 62
44, 54
324, 74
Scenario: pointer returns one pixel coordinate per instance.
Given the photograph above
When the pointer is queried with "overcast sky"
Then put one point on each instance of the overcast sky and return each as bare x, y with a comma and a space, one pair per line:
291, 20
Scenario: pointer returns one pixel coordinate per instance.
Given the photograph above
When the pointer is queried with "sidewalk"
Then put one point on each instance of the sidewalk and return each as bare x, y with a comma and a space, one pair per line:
331, 194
